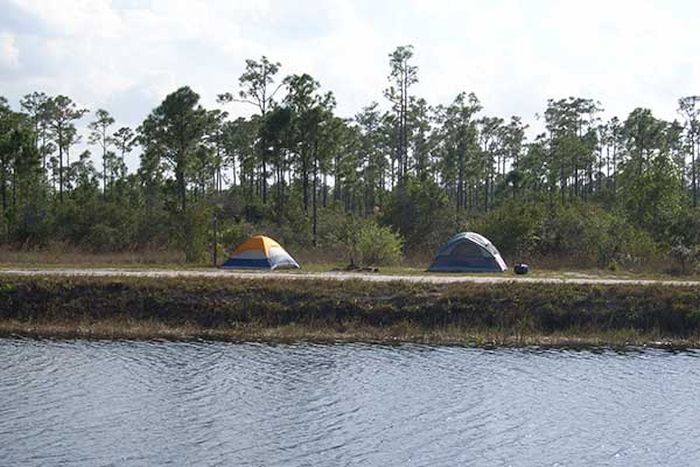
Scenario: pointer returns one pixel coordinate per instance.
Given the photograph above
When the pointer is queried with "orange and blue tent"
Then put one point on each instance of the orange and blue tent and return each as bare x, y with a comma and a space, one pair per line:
260, 252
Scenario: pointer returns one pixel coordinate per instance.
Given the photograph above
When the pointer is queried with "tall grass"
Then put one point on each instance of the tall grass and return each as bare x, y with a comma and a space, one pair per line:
64, 254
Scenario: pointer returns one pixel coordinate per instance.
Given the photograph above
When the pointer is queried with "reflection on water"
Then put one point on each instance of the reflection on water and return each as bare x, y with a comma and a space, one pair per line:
152, 403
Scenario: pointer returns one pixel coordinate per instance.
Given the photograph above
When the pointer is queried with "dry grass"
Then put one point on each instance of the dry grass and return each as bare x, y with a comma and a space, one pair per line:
312, 260
283, 309
403, 333
65, 255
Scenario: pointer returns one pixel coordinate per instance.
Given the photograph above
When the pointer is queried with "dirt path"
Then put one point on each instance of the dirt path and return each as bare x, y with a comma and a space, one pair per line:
427, 278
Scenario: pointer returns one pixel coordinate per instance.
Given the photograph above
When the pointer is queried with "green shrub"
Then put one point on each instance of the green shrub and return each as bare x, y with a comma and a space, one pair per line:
153, 228
104, 238
513, 227
378, 245
422, 213
231, 234
686, 258
367, 243
34, 225
584, 232
623, 244
685, 228
192, 232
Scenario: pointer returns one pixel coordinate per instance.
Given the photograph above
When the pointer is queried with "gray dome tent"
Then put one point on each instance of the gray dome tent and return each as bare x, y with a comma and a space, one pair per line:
468, 252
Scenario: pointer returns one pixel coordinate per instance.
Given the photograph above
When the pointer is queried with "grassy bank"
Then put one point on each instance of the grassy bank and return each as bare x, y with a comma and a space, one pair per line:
472, 314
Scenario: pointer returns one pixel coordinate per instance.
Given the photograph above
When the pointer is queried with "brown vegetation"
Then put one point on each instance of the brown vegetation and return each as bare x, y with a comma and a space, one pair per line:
65, 254
472, 314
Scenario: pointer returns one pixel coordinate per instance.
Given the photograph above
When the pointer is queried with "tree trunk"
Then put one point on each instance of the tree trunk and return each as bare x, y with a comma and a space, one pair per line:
263, 181
60, 173
325, 190
14, 189
4, 190
104, 173
486, 193
693, 155
180, 177
315, 213
305, 181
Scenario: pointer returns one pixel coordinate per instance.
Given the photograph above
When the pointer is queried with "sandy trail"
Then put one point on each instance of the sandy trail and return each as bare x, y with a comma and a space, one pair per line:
371, 277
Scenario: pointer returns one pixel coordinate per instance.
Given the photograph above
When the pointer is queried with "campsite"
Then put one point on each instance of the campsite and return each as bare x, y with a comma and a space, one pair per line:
349, 233
464, 252
465, 295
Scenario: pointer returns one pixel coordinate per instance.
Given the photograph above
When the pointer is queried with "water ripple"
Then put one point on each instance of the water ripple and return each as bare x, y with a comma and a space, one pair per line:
208, 403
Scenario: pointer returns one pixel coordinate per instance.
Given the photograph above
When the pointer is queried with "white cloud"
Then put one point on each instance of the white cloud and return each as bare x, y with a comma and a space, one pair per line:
83, 18
9, 53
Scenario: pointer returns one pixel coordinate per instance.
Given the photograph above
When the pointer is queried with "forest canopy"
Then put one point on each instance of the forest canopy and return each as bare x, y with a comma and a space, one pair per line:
587, 191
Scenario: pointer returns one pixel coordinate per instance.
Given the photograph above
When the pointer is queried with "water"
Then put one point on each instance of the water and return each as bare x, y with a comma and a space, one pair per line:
202, 403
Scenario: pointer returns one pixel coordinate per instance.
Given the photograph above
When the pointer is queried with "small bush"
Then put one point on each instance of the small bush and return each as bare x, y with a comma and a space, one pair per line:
104, 238
422, 213
367, 243
231, 234
192, 233
378, 245
584, 232
514, 227
686, 258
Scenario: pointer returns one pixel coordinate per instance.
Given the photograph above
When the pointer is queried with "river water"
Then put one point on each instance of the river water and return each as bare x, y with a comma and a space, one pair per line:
211, 403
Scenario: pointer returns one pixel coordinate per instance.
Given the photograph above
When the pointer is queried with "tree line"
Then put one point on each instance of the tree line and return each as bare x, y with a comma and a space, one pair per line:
297, 168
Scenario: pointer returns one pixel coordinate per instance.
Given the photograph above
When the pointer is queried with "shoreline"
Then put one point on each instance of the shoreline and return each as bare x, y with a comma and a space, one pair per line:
511, 314
107, 331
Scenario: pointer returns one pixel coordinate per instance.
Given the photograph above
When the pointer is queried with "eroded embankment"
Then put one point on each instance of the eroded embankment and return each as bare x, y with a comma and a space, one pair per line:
321, 310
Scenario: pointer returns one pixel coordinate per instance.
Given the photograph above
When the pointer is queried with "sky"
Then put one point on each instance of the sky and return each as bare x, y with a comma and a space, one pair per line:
127, 55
